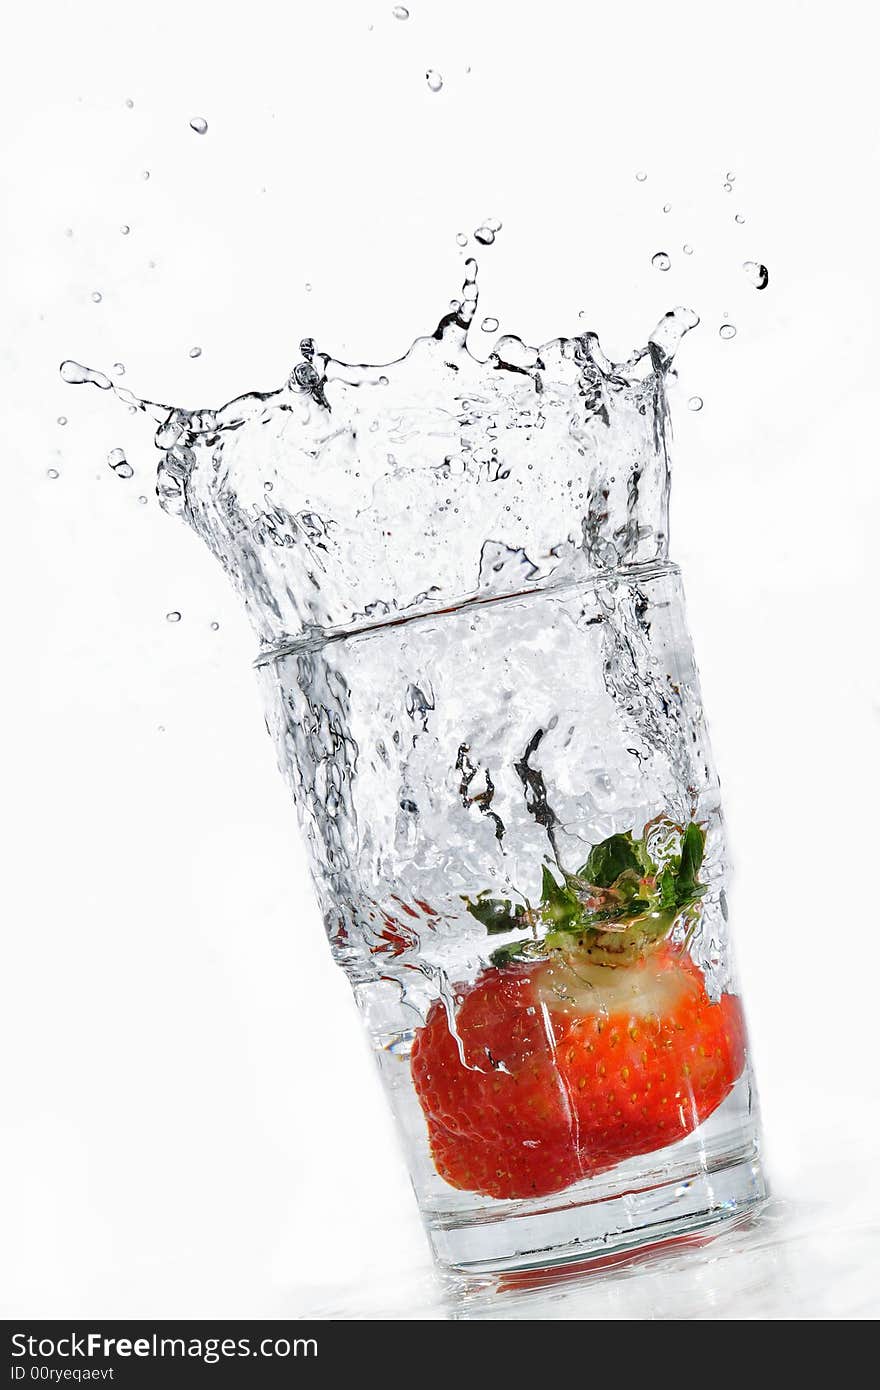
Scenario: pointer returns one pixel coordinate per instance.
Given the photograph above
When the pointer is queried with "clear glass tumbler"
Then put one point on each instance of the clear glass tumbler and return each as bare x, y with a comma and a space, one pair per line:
517, 841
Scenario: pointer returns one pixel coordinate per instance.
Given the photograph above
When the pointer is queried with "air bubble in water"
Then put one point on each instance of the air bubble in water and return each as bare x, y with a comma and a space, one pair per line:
173, 616
739, 218
489, 324
52, 473
199, 125
62, 419
75, 374
97, 296
195, 352
641, 176
695, 403
688, 250
484, 235
125, 229
758, 274
661, 261
400, 12
120, 464
727, 330
434, 80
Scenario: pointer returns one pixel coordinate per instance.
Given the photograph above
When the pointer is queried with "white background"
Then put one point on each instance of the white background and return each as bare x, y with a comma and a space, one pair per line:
191, 1123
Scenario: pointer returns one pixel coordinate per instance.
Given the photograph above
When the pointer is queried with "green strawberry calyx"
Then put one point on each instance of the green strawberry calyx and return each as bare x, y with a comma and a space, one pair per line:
623, 901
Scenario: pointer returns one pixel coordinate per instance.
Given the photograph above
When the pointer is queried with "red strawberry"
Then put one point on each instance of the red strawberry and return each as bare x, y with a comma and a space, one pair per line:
568, 1067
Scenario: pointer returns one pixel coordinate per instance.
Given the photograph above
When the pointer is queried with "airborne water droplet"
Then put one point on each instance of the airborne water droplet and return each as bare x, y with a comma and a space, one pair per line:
125, 229
146, 173
62, 419
695, 403
758, 274
434, 80
484, 235
400, 12
728, 187
641, 176
739, 218
661, 261
75, 374
667, 207
688, 250
461, 239
727, 330
215, 627
120, 464
195, 352
142, 500
119, 368
129, 103
97, 296
731, 178
52, 473
199, 125
173, 616
489, 324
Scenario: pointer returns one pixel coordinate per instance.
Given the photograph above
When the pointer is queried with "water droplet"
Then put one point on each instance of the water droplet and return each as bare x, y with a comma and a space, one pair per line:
667, 207
383, 381
75, 374
489, 324
308, 288
119, 368
146, 173
199, 125
215, 627
731, 178
727, 330
120, 464
400, 12
493, 223
661, 261
758, 274
52, 473
129, 103
688, 250
142, 500
125, 229
434, 80
68, 231
641, 176
97, 296
62, 419
728, 187
484, 235
195, 352
172, 617
461, 239
739, 218
695, 403
455, 305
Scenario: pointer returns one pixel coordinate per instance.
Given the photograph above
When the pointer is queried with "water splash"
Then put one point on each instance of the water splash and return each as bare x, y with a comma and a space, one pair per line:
758, 274
119, 464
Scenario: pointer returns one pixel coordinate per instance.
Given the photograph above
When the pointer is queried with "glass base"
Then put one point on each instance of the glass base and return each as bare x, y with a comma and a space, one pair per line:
586, 1227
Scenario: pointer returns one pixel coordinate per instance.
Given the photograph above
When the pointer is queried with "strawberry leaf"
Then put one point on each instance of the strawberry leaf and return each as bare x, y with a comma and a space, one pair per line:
693, 843
496, 914
611, 858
